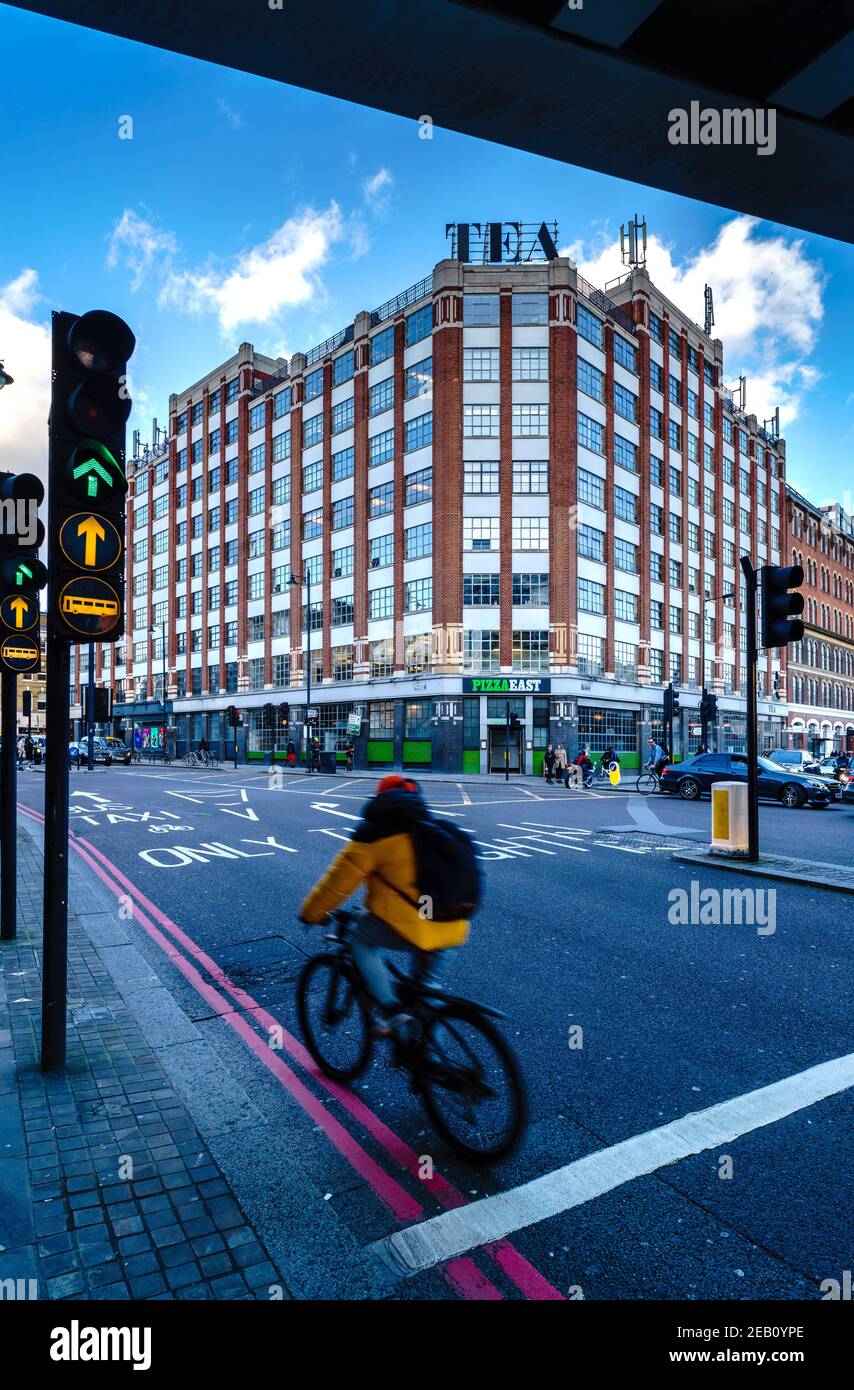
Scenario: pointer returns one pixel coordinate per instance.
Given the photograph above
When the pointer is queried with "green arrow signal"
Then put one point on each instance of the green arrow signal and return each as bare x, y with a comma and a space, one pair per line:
21, 572
94, 470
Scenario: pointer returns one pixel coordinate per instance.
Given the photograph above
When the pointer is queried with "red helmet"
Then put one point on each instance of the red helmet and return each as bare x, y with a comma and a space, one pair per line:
395, 783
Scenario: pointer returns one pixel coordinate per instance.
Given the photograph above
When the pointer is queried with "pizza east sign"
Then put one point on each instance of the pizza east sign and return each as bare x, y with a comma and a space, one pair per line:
506, 685
502, 243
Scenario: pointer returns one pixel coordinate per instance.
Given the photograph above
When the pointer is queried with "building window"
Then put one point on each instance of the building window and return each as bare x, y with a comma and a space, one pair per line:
418, 541
381, 396
591, 543
530, 309
342, 415
418, 487
481, 310
312, 476
590, 380
342, 368
480, 476
381, 447
481, 532
480, 650
531, 649
312, 432
416, 655
480, 421
342, 611
625, 606
381, 550
529, 364
382, 345
418, 433
530, 533
591, 434
343, 464
530, 476
381, 602
530, 420
589, 326
342, 513
418, 379
481, 590
480, 364
625, 402
342, 562
625, 504
591, 596
382, 658
625, 353
530, 590
625, 556
590, 654
419, 325
380, 500
312, 524
342, 663
417, 595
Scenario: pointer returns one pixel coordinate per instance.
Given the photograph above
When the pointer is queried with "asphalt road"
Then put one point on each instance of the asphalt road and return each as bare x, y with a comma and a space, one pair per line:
575, 935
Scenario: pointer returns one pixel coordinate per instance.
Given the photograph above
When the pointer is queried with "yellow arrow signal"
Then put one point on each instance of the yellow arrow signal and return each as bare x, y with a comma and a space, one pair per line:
92, 530
19, 607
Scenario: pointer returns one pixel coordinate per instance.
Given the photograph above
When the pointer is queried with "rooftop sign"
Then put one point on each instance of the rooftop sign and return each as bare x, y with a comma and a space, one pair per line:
502, 243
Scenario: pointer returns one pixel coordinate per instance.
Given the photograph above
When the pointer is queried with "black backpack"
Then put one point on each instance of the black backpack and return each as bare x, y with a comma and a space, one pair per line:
446, 870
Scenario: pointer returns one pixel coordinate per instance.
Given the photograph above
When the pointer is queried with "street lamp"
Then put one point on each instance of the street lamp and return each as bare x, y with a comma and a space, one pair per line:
5, 378
152, 629
710, 598
296, 583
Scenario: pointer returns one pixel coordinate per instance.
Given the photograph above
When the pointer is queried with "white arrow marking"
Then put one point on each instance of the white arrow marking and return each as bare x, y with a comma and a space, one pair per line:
323, 806
94, 796
271, 840
334, 833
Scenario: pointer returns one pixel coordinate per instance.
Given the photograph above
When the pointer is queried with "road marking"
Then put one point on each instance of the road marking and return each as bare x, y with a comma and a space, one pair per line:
334, 833
535, 796
446, 1236
529, 829
464, 794
622, 849
538, 849
325, 806
564, 829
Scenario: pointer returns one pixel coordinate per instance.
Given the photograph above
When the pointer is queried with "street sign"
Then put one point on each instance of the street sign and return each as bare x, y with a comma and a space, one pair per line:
19, 654
90, 542
19, 611
311, 713
90, 606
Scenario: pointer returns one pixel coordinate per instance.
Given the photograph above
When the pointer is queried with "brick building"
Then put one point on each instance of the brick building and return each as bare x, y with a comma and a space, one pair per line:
821, 667
500, 484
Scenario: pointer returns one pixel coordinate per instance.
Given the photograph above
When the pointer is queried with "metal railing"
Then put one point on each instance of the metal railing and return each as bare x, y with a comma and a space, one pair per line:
270, 383
607, 306
402, 301
321, 350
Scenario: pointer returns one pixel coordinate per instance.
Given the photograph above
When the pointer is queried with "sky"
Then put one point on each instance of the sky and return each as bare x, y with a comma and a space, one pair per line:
209, 207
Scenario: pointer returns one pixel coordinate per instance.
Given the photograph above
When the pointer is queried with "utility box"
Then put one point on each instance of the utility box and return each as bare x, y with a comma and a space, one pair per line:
328, 762
729, 819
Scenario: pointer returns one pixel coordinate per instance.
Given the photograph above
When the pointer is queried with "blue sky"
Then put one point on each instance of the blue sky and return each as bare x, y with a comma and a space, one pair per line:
242, 210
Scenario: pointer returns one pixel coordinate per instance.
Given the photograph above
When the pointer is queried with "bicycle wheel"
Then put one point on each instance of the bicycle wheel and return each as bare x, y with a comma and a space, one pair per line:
471, 1085
189, 760
334, 1018
213, 760
647, 783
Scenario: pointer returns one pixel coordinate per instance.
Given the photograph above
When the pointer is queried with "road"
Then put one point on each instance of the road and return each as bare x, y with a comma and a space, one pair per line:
624, 1019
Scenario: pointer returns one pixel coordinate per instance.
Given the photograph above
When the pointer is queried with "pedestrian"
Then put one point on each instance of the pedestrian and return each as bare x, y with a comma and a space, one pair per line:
561, 760
578, 770
292, 753
22, 754
549, 764
29, 748
349, 753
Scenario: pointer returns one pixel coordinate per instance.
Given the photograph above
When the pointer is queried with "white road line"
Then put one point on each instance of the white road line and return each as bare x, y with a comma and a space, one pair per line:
345, 815
533, 795
622, 849
464, 794
503, 840
334, 833
505, 850
567, 829
454, 1232
544, 830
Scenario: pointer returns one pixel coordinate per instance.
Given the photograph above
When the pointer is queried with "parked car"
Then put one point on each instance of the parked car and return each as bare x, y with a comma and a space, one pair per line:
697, 775
795, 760
119, 749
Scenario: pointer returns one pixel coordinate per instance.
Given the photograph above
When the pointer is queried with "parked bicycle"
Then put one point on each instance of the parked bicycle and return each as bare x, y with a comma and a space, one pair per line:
190, 759
460, 1066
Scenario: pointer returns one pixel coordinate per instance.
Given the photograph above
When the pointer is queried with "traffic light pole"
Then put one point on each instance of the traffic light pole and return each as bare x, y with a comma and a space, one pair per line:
752, 660
90, 711
507, 745
8, 808
55, 950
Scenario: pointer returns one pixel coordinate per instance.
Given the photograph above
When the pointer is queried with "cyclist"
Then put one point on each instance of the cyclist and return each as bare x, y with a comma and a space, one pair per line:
657, 758
382, 855
608, 757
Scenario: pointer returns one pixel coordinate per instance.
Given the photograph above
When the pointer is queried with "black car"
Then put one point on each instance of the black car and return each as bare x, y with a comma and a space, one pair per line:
696, 776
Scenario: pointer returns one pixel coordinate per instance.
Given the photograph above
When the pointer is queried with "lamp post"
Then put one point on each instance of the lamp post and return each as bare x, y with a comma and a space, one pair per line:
306, 580
710, 598
5, 378
152, 629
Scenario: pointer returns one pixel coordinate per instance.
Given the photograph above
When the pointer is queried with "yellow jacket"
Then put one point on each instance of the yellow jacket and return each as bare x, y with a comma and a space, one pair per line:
381, 853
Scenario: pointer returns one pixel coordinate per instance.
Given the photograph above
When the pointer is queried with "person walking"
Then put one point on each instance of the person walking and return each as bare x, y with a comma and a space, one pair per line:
349, 753
549, 764
292, 753
561, 760
29, 748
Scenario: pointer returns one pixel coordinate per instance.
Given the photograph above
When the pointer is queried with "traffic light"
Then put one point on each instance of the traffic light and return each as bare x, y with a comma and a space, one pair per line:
102, 704
88, 482
284, 715
780, 609
708, 707
22, 573
268, 717
515, 722
26, 703
671, 703
231, 716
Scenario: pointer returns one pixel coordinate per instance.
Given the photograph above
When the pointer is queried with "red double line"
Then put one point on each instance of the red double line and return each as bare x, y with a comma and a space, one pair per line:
462, 1274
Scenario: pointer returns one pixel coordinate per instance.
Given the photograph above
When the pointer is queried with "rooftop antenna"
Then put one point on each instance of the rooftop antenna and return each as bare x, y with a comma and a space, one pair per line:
710, 310
633, 244
739, 395
137, 443
772, 426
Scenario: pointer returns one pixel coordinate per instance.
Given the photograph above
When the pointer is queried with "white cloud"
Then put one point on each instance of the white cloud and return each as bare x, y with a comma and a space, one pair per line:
376, 191
138, 245
234, 118
260, 283
768, 304
25, 351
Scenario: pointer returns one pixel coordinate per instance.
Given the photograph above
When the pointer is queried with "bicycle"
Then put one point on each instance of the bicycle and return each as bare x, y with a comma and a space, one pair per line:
190, 759
648, 782
452, 1080
208, 759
